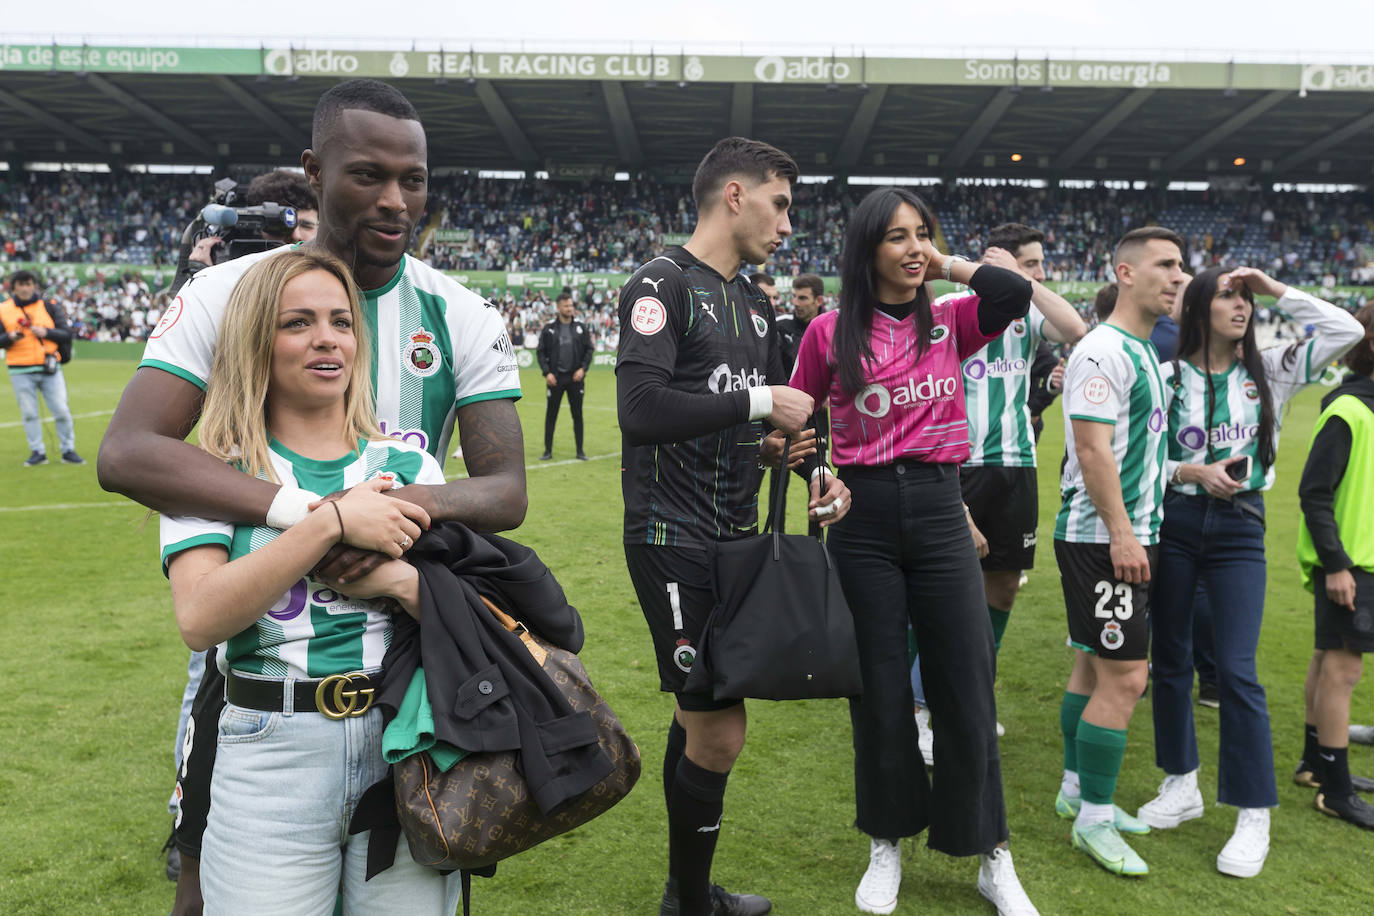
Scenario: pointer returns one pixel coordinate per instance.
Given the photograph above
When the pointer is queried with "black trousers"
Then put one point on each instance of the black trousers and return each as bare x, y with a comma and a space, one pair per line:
555, 400
575, 405
904, 554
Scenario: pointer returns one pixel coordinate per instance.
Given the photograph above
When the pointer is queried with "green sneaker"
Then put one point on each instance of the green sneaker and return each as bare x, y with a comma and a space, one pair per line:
1064, 806
1104, 844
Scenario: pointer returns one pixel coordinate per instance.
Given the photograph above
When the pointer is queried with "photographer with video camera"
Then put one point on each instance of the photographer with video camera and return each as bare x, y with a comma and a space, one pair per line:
33, 339
277, 208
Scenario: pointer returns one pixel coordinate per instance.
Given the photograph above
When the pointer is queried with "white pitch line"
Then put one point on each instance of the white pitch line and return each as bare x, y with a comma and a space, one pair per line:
111, 505
540, 465
45, 506
76, 416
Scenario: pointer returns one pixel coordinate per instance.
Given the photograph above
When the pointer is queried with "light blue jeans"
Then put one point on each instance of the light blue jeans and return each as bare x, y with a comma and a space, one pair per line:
284, 790
54, 388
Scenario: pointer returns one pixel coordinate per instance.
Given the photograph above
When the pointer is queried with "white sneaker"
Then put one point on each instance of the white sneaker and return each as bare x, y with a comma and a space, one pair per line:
1244, 854
925, 738
997, 882
877, 891
1178, 800
1362, 734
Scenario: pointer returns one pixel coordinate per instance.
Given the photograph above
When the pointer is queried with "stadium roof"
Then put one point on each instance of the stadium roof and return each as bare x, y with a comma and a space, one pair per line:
592, 114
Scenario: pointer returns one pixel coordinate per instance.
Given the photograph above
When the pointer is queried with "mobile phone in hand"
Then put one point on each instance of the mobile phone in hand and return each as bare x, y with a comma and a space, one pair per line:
1239, 471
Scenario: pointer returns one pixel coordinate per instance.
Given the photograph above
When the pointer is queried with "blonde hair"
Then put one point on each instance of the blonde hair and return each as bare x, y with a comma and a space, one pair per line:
233, 423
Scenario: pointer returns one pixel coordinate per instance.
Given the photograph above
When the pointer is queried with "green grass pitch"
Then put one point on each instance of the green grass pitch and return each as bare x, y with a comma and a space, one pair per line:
92, 671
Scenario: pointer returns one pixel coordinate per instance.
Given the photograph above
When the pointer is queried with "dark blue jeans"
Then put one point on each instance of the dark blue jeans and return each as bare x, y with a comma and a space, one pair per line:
904, 555
1222, 545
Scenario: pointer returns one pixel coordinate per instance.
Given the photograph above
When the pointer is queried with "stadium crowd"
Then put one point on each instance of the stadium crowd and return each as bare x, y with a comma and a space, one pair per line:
610, 226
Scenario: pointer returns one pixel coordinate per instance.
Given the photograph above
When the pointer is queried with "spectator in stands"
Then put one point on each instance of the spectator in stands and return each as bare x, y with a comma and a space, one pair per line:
32, 334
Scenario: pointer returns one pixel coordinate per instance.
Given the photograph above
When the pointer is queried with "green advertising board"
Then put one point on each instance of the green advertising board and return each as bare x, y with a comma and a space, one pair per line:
680, 66
130, 59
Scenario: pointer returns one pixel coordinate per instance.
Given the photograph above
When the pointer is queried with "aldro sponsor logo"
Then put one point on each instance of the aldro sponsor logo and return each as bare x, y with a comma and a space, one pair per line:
1194, 438
416, 437
1000, 367
724, 379
876, 401
299, 597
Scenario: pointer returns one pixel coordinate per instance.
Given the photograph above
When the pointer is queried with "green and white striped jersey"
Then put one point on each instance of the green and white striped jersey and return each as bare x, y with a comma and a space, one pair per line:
1233, 427
1114, 377
312, 631
436, 345
996, 393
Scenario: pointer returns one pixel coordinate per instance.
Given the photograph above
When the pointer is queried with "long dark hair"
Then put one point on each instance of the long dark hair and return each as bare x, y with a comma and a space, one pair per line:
1195, 336
859, 288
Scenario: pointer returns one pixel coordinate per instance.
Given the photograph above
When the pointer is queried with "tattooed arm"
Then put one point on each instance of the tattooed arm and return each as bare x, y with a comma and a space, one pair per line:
492, 497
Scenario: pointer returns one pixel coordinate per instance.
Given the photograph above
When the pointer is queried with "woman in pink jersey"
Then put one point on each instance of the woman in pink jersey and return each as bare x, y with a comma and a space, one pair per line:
889, 363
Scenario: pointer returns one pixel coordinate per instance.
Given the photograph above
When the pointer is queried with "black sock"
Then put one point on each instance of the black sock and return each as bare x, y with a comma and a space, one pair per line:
1309, 750
1335, 772
677, 744
694, 814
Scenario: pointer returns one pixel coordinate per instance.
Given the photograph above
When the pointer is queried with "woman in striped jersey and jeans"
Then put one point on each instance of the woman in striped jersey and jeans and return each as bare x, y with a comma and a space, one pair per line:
1227, 402
290, 399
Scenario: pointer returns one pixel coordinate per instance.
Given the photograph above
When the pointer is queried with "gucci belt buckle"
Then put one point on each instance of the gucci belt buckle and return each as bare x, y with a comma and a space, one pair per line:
336, 698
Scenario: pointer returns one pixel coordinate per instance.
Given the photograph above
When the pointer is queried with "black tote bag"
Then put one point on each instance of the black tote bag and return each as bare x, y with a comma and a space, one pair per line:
780, 628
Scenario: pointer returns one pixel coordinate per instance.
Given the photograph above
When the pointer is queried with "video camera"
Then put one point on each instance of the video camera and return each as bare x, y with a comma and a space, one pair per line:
242, 229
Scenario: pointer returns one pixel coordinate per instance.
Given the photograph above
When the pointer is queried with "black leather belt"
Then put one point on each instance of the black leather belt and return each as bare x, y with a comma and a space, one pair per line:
336, 697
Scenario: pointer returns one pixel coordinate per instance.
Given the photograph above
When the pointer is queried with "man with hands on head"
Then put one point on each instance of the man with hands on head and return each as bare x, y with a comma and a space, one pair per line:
698, 372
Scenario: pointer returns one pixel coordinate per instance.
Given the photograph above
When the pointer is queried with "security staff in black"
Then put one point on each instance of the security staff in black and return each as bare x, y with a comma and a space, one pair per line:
697, 370
565, 353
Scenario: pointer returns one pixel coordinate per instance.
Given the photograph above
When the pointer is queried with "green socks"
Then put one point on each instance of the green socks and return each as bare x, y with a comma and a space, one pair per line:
1100, 751
1070, 711
999, 625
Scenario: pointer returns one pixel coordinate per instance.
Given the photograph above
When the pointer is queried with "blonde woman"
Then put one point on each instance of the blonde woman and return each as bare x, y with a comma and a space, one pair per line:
290, 400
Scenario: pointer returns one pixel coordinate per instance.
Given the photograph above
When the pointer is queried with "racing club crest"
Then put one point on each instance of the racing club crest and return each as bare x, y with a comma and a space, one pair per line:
760, 324
684, 655
421, 356
1112, 637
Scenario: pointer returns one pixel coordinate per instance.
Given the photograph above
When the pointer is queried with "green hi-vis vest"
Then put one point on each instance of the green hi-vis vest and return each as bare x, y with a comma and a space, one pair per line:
1354, 506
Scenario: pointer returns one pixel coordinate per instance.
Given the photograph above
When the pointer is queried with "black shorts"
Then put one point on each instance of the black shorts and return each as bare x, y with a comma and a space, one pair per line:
1107, 617
674, 589
1337, 627
1005, 505
198, 760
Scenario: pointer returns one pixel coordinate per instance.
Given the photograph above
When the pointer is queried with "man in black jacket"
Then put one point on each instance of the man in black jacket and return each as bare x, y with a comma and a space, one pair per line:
565, 352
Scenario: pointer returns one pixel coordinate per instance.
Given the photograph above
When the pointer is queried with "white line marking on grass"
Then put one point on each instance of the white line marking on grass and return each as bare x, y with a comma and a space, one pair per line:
76, 416
110, 505
104, 505
540, 465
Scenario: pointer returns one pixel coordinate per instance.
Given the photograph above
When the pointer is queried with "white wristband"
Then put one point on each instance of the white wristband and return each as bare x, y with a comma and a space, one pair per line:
821, 469
289, 506
760, 402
